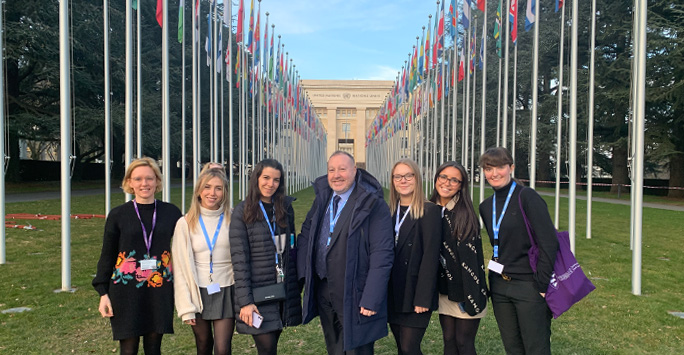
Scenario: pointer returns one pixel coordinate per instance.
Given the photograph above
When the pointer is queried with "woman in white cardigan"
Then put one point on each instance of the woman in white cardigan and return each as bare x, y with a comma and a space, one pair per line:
203, 271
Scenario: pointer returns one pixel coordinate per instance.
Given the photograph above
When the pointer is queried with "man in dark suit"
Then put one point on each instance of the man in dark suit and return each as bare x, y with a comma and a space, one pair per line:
345, 257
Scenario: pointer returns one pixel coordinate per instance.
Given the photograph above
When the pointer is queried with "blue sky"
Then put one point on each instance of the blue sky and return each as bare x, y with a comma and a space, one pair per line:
346, 39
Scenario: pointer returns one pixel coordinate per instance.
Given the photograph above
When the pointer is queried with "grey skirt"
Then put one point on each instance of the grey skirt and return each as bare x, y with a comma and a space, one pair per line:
217, 306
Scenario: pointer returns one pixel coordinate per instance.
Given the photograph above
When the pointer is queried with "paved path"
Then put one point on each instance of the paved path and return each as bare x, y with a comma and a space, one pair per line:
54, 195
621, 202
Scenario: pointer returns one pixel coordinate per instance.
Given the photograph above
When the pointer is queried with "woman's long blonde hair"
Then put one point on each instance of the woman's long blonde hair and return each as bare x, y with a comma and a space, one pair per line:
418, 199
192, 217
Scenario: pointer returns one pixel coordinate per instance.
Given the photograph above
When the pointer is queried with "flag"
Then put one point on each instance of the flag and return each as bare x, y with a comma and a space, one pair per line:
266, 54
530, 15
435, 49
197, 23
227, 4
559, 5
471, 67
513, 18
421, 60
440, 32
257, 44
427, 47
134, 4
160, 12
251, 28
453, 12
208, 43
219, 54
181, 14
465, 18
239, 35
497, 29
270, 57
482, 47
481, 5
461, 67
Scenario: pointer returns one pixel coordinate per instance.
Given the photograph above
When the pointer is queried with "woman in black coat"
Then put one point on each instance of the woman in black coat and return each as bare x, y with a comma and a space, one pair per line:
462, 285
262, 247
417, 236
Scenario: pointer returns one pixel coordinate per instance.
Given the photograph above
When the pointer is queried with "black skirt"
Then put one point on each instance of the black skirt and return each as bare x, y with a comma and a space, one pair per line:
218, 305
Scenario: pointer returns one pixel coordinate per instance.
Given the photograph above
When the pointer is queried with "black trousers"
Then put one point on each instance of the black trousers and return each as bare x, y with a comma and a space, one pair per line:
332, 321
523, 317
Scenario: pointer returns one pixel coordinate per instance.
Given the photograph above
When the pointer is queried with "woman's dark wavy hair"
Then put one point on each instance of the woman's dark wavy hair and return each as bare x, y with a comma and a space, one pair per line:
252, 210
466, 224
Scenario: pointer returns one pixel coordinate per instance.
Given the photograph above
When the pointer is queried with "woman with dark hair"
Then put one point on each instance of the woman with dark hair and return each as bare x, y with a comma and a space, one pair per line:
462, 286
134, 277
263, 254
518, 293
412, 294
202, 267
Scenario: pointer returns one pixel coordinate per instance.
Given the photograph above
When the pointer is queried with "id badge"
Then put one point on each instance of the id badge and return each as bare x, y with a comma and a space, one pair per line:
495, 266
281, 275
149, 264
213, 288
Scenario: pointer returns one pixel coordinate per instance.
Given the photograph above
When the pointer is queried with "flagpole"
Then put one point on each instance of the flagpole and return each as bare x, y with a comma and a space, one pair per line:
535, 99
471, 141
229, 75
128, 153
572, 188
108, 118
590, 126
65, 140
166, 126
454, 103
484, 99
466, 117
514, 101
559, 92
183, 151
195, 104
498, 95
504, 115
198, 131
138, 83
214, 83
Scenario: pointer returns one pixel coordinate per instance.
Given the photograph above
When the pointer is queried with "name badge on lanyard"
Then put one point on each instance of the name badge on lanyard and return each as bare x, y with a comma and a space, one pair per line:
333, 221
272, 229
494, 265
147, 263
213, 286
397, 223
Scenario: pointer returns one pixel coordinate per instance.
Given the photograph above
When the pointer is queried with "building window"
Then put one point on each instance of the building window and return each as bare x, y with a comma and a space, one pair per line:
346, 112
346, 145
371, 113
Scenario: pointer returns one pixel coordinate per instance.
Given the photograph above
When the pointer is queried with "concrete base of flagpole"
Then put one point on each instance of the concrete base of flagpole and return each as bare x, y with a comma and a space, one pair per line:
70, 290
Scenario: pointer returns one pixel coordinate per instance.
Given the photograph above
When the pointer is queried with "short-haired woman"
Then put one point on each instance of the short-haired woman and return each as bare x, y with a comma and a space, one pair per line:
134, 271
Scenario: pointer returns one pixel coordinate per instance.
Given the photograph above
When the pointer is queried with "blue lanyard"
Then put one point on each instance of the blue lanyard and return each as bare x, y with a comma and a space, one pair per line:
270, 227
146, 238
497, 224
212, 243
333, 221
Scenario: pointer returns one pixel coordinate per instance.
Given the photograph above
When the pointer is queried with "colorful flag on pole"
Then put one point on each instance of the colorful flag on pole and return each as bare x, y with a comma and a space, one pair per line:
251, 28
421, 60
465, 18
440, 33
160, 12
473, 59
482, 48
559, 5
181, 12
208, 43
239, 35
453, 12
461, 67
513, 18
427, 47
257, 44
134, 4
530, 15
219, 54
197, 22
497, 30
481, 5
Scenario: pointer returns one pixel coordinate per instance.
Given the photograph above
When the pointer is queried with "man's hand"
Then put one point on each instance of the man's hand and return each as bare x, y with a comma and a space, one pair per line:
367, 312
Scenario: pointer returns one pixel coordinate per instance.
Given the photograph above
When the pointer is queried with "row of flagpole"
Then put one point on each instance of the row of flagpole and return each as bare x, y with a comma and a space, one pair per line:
411, 121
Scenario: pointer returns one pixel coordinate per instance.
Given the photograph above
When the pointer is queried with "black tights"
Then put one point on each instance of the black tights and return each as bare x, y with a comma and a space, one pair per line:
408, 339
267, 343
459, 334
219, 342
151, 344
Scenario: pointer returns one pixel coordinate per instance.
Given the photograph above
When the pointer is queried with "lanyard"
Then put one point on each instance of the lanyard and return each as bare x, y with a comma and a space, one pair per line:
497, 224
333, 221
397, 223
212, 243
148, 240
270, 227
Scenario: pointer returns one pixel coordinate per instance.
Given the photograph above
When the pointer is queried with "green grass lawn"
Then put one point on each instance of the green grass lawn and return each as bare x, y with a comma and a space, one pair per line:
611, 320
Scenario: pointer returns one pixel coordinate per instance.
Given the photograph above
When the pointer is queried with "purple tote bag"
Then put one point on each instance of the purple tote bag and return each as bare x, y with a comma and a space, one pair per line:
568, 283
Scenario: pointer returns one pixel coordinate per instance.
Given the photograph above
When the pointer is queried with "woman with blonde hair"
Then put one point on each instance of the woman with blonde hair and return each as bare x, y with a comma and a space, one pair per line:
203, 267
134, 277
412, 292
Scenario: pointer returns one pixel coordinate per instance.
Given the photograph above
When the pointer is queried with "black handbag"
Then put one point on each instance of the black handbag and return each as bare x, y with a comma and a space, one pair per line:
271, 293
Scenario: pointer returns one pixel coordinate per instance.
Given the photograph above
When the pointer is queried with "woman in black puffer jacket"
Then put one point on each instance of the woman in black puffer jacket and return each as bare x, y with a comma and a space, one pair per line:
263, 252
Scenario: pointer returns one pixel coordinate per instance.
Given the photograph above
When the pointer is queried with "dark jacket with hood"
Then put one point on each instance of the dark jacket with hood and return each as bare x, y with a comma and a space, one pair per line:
359, 258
